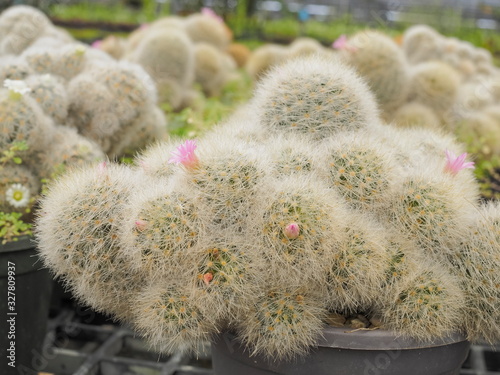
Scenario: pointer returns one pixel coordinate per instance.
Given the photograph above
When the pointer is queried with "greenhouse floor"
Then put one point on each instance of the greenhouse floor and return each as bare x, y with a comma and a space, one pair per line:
73, 346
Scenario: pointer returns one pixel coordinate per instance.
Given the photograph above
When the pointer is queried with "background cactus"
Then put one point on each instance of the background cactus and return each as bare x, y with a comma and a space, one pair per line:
378, 59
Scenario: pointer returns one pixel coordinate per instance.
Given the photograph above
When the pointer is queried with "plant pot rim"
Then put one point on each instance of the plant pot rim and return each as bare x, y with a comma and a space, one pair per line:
20, 243
379, 339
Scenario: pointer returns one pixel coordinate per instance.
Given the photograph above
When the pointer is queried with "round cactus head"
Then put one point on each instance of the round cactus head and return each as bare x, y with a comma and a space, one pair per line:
314, 96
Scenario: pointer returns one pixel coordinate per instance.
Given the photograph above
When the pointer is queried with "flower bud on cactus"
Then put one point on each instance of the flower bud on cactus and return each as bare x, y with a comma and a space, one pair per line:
314, 96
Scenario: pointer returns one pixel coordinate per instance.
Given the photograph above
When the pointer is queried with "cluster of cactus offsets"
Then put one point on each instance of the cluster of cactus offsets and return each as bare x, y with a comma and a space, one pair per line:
76, 86
476, 263
330, 99
383, 64
244, 229
181, 52
88, 257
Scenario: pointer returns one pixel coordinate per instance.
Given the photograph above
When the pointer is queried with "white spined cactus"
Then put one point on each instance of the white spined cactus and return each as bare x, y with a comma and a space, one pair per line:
382, 63
299, 226
475, 262
78, 235
315, 96
24, 120
361, 170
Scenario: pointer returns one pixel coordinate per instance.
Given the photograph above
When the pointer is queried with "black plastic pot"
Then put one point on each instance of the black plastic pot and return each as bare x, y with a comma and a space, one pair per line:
24, 306
343, 352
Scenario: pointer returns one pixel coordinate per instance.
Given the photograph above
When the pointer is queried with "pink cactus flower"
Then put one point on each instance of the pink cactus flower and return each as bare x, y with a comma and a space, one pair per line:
97, 44
455, 164
342, 43
102, 168
292, 230
207, 278
141, 225
184, 154
144, 26
210, 12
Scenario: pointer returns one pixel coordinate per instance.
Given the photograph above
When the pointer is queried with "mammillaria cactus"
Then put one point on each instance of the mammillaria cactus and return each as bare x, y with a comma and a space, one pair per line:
329, 99
24, 120
421, 43
240, 231
363, 172
20, 26
475, 262
167, 56
434, 84
88, 257
378, 59
206, 28
282, 323
210, 70
425, 304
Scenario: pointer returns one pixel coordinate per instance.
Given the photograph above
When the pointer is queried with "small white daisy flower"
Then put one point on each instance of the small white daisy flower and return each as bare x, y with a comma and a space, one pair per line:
16, 86
18, 195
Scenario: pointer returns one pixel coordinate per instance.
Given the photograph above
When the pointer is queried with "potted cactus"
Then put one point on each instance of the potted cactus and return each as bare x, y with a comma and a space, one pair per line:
302, 208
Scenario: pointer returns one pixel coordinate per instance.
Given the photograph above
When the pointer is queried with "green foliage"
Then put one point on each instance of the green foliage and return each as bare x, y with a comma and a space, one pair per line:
11, 153
12, 226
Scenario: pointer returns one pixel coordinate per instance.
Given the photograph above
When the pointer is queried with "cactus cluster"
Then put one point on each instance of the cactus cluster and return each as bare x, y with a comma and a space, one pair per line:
302, 204
180, 53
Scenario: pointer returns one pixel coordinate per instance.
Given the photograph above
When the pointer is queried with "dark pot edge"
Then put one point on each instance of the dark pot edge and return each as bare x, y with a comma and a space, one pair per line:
25, 242
380, 339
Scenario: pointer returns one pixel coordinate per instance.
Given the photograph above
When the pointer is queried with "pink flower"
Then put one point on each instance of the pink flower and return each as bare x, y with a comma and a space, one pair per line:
341, 43
455, 164
292, 231
102, 169
144, 26
209, 12
97, 44
141, 225
184, 154
207, 278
